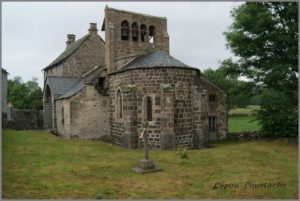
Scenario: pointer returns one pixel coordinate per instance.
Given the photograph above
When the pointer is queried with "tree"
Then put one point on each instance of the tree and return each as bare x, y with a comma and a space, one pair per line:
239, 91
264, 37
24, 95
277, 119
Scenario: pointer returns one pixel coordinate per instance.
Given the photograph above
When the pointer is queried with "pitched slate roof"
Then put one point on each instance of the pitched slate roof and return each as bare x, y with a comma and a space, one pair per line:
73, 90
154, 59
80, 83
60, 85
68, 52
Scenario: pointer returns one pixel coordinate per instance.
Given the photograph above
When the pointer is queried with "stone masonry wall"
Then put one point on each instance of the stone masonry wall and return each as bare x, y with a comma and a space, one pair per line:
217, 108
119, 52
24, 119
47, 111
86, 115
54, 71
148, 83
89, 55
63, 117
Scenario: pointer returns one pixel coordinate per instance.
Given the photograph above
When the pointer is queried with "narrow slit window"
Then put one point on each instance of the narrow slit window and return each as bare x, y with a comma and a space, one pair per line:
149, 108
119, 105
62, 116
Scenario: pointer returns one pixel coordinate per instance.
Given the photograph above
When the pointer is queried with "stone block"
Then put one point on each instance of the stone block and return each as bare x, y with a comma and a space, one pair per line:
145, 166
167, 141
129, 140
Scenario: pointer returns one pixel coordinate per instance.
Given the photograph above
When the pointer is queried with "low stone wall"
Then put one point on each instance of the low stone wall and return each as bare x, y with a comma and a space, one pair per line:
24, 119
255, 135
244, 136
4, 120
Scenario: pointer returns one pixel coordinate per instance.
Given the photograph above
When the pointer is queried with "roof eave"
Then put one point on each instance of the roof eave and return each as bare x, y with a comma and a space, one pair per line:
152, 67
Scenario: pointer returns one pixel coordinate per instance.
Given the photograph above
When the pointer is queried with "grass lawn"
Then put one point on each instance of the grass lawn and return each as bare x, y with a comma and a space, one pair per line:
242, 123
39, 165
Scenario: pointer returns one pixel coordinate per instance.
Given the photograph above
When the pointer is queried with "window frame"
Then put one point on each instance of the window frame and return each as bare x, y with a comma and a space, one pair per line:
212, 98
212, 123
146, 108
149, 109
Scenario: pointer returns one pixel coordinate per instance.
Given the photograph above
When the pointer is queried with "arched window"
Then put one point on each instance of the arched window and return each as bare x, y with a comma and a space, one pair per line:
48, 108
149, 109
48, 94
143, 29
151, 34
119, 107
124, 30
62, 116
135, 31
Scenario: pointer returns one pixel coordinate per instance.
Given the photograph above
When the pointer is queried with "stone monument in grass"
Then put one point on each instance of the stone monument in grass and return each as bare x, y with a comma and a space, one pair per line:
146, 165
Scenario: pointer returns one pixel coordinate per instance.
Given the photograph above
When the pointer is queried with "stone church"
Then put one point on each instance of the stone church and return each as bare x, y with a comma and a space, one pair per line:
109, 89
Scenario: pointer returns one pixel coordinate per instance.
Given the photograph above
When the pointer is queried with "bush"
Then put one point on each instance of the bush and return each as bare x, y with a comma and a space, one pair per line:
182, 152
278, 115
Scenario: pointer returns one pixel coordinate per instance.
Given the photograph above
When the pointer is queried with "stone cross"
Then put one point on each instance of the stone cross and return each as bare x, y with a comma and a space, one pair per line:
145, 165
144, 135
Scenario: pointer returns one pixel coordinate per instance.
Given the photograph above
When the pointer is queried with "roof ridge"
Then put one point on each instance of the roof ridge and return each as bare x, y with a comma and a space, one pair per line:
136, 13
68, 51
61, 76
91, 70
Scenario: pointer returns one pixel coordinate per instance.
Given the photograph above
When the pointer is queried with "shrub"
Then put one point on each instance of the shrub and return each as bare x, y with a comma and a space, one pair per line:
182, 152
278, 115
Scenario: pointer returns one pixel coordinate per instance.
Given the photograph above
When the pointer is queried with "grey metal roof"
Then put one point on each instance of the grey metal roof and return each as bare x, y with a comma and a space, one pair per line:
60, 85
154, 59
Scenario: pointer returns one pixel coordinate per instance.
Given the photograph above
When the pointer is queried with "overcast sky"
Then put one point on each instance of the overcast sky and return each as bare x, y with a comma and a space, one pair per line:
34, 34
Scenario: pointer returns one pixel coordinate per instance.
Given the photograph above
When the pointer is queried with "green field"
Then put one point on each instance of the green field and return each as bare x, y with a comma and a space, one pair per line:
243, 123
248, 111
40, 165
243, 119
